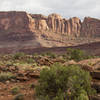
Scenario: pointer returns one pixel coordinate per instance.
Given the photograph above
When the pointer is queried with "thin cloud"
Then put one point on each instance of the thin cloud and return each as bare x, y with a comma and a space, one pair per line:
67, 8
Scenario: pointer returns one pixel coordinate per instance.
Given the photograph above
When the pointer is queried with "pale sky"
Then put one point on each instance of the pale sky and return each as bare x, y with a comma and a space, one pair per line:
66, 8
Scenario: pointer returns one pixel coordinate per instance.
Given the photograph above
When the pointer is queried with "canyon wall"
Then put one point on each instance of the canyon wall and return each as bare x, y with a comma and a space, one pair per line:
90, 27
55, 23
21, 26
15, 25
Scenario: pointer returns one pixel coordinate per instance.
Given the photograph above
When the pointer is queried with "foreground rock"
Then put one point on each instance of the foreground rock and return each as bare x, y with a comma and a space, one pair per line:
95, 74
96, 85
93, 63
96, 97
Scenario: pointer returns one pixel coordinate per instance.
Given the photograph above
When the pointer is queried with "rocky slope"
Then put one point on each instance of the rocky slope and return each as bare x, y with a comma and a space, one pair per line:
19, 29
26, 75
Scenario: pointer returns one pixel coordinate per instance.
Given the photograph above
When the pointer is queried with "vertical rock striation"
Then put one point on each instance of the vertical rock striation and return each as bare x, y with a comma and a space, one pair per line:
55, 23
22, 26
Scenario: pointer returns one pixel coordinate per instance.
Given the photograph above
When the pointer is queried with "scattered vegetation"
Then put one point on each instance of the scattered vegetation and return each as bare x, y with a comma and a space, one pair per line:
19, 97
63, 82
4, 76
21, 59
32, 86
77, 54
15, 90
49, 54
30, 61
57, 81
18, 55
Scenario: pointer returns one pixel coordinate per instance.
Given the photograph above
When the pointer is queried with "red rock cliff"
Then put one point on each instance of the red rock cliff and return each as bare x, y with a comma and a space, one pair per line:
15, 25
90, 27
23, 26
55, 23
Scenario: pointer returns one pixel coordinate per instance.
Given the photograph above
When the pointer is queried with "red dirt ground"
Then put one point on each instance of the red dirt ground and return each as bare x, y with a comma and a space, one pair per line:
92, 48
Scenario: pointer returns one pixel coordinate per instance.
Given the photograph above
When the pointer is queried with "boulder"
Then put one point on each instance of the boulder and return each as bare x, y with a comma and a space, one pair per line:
95, 74
95, 97
93, 63
96, 85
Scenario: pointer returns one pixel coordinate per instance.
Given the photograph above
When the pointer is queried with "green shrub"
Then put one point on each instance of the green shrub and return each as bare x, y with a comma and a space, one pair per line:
63, 82
18, 55
15, 90
82, 97
31, 86
49, 54
76, 54
19, 97
4, 76
30, 61
9, 63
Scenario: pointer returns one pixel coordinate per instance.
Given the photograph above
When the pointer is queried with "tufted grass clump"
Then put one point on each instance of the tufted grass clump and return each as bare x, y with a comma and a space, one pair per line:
18, 55
4, 76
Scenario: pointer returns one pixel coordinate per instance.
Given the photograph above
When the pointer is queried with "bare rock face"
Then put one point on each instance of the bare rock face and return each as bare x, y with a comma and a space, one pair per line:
40, 22
90, 27
21, 22
43, 25
41, 30
55, 23
75, 26
59, 25
14, 21
38, 16
15, 25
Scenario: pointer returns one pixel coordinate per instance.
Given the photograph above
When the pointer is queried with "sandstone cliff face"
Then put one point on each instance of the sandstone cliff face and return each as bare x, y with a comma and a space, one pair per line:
90, 27
20, 26
15, 25
14, 21
55, 23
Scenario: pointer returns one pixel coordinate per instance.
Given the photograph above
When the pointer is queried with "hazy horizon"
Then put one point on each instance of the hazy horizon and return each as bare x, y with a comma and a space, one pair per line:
66, 8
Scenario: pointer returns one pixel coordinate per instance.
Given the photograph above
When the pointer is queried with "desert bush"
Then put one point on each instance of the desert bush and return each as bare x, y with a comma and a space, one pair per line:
4, 76
1, 63
15, 90
32, 85
30, 61
49, 54
19, 97
18, 55
63, 82
9, 63
76, 54
82, 96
